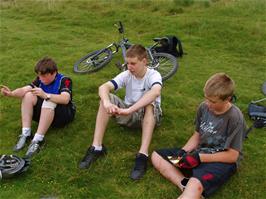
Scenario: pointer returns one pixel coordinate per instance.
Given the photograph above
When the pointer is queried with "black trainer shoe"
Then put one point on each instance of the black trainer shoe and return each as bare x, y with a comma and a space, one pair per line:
140, 167
34, 148
21, 142
91, 156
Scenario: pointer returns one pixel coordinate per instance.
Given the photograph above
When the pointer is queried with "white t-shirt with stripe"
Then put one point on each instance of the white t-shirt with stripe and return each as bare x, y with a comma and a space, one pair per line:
136, 88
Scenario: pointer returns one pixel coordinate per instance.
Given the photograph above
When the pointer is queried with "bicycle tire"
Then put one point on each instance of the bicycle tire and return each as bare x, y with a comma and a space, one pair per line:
100, 59
167, 65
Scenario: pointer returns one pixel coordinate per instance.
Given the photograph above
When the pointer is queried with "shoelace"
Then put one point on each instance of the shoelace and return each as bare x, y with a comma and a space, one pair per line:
34, 147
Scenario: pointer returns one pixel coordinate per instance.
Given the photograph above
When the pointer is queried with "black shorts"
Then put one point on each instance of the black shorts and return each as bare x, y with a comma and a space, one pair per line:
64, 114
211, 175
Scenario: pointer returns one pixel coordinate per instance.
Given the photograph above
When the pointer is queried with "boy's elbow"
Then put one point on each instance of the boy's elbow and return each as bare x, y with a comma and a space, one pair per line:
157, 92
102, 88
233, 156
66, 101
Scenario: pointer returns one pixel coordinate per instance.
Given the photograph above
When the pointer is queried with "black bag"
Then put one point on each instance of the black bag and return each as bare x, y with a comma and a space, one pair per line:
258, 114
169, 44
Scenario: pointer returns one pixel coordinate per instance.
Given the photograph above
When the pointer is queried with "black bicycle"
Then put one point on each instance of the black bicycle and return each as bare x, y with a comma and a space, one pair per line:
165, 63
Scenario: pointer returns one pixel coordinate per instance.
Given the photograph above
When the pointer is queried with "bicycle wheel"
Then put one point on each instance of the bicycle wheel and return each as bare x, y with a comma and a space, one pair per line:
93, 61
165, 64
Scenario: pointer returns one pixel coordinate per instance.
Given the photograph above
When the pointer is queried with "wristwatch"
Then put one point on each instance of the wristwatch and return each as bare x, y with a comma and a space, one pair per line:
48, 96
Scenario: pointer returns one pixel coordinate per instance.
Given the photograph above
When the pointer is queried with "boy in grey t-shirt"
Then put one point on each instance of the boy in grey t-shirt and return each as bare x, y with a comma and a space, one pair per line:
212, 153
140, 108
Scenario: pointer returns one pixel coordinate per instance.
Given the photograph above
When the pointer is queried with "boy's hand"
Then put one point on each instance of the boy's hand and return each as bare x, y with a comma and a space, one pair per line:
110, 108
5, 90
38, 92
181, 152
175, 159
189, 160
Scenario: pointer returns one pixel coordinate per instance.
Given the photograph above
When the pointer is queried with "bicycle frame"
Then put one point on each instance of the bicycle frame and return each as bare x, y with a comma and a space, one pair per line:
165, 63
124, 44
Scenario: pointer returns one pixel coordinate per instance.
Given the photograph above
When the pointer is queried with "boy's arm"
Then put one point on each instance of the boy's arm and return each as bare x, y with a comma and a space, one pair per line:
18, 93
192, 143
62, 98
228, 156
146, 99
104, 91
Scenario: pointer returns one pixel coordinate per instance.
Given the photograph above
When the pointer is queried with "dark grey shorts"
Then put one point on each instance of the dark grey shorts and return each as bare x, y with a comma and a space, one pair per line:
211, 175
135, 119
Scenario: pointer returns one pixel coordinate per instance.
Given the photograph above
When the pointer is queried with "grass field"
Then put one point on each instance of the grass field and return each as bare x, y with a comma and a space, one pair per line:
218, 36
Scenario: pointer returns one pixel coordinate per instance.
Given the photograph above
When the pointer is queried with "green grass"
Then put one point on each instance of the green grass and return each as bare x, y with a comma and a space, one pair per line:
218, 36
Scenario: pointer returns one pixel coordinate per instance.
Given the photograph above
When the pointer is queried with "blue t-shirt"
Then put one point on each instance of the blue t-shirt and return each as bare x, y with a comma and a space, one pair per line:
60, 84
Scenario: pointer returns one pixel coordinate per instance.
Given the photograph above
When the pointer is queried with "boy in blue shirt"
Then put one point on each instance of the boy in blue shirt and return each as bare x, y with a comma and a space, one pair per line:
47, 100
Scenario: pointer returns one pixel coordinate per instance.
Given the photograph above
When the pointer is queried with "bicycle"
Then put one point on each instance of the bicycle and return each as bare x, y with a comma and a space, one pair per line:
165, 63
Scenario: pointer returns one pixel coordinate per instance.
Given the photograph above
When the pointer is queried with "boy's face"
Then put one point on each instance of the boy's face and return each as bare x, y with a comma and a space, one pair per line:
136, 67
216, 105
47, 78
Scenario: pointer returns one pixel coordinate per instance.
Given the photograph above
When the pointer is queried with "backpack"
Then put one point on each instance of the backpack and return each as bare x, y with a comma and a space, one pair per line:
169, 44
258, 114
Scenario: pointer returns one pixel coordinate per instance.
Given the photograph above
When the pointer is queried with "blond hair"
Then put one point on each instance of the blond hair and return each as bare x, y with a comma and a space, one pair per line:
219, 85
138, 51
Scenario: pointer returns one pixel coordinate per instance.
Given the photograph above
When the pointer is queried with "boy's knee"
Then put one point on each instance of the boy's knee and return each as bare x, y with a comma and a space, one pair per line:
29, 96
196, 183
155, 158
149, 108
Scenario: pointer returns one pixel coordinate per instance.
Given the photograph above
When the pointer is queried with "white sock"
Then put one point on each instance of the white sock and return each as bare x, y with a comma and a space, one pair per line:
144, 154
26, 131
98, 148
38, 137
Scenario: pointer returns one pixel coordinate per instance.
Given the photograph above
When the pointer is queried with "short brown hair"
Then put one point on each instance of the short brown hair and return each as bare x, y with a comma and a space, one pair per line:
46, 65
138, 51
219, 85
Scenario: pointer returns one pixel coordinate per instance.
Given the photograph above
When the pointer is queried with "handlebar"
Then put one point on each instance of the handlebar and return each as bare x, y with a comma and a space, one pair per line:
120, 27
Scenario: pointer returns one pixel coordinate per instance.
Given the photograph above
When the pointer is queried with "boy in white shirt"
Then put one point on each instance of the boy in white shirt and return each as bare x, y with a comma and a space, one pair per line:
140, 108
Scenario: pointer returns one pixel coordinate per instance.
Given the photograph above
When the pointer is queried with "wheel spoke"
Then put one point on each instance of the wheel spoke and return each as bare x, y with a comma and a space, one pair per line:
92, 63
167, 64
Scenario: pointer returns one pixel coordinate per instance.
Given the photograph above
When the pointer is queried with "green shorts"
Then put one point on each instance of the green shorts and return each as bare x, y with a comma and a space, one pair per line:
135, 119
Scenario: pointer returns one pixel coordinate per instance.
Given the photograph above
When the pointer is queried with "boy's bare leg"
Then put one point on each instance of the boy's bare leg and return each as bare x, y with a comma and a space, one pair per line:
148, 125
102, 120
92, 153
141, 160
46, 119
27, 104
193, 190
166, 169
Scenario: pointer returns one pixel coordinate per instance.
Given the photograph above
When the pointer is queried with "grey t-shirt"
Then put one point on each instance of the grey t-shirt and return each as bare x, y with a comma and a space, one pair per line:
220, 132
